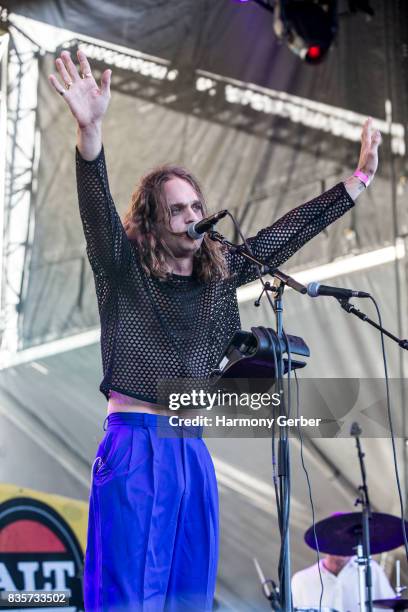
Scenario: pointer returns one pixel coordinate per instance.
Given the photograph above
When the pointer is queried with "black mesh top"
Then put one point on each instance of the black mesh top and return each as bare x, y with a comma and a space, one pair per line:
155, 329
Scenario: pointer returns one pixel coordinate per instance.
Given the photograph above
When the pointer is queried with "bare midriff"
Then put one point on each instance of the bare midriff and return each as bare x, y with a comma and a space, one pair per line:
118, 402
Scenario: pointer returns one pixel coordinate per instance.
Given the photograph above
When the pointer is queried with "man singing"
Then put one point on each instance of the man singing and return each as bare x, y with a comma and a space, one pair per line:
167, 306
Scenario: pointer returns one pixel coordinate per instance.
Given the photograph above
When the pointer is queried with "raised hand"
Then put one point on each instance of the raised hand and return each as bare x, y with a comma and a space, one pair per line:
86, 101
368, 161
370, 141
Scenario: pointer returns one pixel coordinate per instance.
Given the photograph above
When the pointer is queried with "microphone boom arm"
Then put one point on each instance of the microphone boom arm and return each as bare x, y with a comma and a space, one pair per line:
265, 268
350, 308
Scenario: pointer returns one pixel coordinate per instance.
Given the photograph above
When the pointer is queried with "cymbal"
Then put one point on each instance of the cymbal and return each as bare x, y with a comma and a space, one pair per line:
391, 604
340, 533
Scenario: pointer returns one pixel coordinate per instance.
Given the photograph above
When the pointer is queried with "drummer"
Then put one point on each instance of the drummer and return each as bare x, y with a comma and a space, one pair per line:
340, 584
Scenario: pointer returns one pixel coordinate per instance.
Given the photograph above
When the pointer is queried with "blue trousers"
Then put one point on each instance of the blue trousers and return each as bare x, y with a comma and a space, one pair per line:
153, 519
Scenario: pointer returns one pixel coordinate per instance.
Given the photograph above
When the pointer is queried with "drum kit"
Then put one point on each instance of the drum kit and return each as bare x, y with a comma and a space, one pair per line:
359, 534
341, 535
363, 534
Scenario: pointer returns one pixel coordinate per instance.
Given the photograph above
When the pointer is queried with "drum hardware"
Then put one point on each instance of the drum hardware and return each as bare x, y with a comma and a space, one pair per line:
339, 534
396, 603
269, 588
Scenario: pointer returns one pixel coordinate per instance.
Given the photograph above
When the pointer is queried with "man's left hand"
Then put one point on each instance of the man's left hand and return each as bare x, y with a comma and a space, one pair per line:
370, 141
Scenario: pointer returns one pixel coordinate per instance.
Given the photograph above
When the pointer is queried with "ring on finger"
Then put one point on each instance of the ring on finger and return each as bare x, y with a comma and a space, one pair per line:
86, 75
68, 85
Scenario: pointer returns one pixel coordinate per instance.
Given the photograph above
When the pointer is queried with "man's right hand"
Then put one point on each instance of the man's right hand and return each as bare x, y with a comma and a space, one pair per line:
86, 101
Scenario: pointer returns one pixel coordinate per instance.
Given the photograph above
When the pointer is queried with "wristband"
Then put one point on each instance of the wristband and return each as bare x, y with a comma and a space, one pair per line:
364, 178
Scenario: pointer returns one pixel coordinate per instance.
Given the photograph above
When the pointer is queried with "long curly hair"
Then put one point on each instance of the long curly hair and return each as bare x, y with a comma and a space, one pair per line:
146, 211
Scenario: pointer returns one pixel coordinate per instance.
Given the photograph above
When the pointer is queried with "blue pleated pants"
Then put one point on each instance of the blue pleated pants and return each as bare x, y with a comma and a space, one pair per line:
153, 519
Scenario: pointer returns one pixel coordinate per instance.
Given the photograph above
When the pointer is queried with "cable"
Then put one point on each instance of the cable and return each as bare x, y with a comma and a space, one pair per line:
281, 492
275, 476
287, 454
394, 454
309, 486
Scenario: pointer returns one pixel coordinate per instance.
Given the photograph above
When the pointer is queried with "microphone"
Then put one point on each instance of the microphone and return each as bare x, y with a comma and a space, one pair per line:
315, 289
196, 229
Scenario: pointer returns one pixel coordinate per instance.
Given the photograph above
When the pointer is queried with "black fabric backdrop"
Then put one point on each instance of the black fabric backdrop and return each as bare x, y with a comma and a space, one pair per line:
236, 40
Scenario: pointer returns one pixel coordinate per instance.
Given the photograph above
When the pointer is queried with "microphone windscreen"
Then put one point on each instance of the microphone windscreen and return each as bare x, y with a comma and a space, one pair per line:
313, 289
191, 232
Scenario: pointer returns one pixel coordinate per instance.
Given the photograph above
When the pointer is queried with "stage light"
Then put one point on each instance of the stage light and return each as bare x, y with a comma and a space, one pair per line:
308, 26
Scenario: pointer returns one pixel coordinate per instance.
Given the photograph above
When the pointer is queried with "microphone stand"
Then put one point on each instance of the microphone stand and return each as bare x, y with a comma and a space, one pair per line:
363, 549
350, 308
283, 470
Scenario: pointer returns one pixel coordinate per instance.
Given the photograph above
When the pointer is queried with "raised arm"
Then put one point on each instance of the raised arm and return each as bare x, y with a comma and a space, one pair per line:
108, 248
277, 243
368, 160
